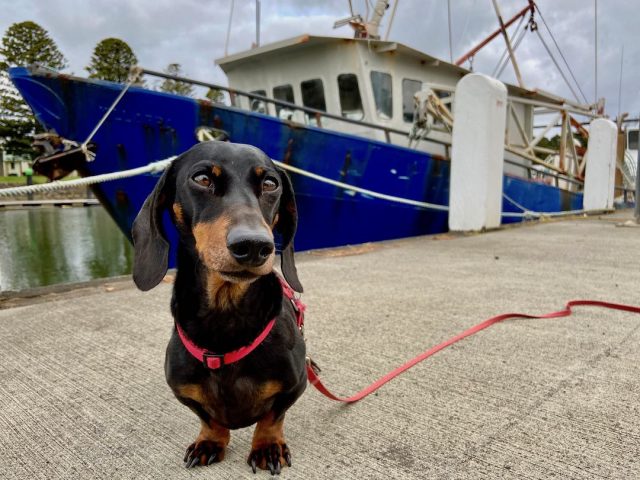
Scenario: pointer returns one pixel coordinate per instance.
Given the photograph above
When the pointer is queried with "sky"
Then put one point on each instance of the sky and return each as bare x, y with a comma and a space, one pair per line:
193, 33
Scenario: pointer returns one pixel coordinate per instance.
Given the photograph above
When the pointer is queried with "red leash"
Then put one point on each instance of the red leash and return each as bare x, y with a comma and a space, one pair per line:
315, 380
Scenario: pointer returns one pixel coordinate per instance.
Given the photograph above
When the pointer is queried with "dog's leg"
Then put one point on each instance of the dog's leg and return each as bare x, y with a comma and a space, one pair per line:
210, 445
268, 448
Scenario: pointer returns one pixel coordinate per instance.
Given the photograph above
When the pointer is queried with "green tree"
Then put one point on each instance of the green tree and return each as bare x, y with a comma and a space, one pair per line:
172, 86
24, 43
111, 60
27, 43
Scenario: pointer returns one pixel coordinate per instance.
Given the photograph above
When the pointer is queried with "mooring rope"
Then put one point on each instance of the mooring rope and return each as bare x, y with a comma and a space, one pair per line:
159, 166
526, 213
134, 74
154, 167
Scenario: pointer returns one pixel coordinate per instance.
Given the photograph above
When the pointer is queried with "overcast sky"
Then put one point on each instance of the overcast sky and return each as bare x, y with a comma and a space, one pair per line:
192, 33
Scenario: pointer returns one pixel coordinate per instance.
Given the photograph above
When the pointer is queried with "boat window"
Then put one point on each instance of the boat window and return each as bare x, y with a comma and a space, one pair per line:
313, 97
284, 93
409, 89
350, 101
313, 94
632, 143
381, 84
258, 105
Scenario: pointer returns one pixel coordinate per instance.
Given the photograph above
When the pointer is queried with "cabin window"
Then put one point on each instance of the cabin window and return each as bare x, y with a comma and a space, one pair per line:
350, 100
258, 105
632, 144
313, 94
381, 85
409, 89
284, 93
313, 97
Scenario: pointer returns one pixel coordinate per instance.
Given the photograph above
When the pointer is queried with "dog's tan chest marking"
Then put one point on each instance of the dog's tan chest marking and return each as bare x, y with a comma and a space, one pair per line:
224, 295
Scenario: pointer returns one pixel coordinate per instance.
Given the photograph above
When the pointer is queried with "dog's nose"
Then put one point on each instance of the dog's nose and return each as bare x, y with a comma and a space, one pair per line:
248, 247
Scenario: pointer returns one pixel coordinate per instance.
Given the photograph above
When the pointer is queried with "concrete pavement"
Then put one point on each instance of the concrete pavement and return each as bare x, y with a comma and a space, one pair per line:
82, 391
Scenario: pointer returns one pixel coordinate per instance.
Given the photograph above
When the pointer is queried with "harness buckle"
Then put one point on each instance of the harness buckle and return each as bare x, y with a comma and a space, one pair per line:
212, 361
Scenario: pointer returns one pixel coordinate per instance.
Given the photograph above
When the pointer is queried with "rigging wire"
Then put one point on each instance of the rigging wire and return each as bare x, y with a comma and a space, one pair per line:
506, 51
561, 54
466, 22
515, 47
553, 59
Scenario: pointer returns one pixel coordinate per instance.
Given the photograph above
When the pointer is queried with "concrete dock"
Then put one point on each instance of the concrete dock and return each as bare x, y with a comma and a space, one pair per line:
83, 396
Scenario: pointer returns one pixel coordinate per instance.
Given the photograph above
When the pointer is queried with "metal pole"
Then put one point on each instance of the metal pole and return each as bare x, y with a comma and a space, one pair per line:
226, 42
257, 23
508, 42
393, 15
596, 49
449, 18
620, 83
637, 209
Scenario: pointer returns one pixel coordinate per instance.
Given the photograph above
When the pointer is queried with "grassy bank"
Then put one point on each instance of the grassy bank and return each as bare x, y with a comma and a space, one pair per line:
22, 180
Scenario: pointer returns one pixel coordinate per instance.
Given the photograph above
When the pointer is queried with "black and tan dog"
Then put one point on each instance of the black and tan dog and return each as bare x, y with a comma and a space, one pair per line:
227, 201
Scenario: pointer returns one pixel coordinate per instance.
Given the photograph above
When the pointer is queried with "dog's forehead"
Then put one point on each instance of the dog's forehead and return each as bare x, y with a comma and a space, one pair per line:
230, 155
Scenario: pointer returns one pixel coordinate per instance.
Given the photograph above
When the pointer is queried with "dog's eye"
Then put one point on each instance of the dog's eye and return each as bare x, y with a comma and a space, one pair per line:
269, 184
202, 179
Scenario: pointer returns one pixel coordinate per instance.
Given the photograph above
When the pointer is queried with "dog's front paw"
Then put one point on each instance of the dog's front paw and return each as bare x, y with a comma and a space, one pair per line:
271, 456
203, 452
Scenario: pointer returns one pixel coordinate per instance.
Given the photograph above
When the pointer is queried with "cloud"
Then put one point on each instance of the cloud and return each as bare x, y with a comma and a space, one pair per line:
193, 34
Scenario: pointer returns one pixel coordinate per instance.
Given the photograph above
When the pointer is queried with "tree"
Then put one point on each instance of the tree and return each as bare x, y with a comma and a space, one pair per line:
24, 43
172, 86
111, 60
27, 43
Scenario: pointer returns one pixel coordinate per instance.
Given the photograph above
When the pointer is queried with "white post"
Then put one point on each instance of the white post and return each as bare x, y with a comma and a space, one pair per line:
477, 153
599, 180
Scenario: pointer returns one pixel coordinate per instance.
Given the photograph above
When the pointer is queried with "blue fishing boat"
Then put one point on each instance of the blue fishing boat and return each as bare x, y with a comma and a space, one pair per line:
342, 108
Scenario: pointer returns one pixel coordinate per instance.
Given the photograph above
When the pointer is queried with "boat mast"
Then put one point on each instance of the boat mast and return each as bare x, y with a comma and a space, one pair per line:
529, 8
368, 28
374, 24
508, 42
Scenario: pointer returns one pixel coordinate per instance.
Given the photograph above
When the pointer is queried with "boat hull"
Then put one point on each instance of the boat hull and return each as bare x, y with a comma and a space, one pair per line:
147, 126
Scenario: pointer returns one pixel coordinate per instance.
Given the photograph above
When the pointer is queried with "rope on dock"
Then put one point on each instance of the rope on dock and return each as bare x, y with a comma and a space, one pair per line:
154, 167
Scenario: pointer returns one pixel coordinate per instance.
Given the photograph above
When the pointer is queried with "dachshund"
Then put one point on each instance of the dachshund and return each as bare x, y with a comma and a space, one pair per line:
229, 204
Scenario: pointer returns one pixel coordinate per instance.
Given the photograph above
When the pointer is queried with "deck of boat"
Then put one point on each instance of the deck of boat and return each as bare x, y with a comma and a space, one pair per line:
82, 392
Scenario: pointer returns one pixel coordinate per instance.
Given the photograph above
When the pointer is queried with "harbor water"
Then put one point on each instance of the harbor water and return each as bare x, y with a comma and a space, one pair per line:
46, 246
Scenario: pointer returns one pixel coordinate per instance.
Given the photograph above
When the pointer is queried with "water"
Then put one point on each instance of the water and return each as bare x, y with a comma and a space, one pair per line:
46, 246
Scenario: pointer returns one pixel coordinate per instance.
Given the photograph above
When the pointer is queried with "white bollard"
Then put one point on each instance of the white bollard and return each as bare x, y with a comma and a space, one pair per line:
599, 179
477, 153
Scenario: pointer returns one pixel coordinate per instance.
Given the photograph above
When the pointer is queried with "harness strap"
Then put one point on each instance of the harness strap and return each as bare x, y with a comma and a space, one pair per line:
315, 380
214, 361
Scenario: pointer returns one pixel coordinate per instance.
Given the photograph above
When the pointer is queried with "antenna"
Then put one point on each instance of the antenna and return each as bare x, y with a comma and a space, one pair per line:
449, 17
226, 42
620, 83
596, 48
257, 23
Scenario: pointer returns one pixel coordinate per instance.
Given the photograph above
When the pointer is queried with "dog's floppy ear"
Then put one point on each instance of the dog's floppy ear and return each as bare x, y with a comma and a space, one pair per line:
151, 248
287, 225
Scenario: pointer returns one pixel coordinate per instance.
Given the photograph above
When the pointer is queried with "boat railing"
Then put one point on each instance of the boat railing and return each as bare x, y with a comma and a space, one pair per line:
312, 112
557, 178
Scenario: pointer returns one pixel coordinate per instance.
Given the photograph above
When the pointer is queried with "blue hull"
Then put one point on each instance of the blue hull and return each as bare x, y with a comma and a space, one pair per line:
147, 126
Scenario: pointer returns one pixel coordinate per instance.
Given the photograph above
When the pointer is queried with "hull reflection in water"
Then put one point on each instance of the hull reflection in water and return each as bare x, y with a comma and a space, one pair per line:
45, 246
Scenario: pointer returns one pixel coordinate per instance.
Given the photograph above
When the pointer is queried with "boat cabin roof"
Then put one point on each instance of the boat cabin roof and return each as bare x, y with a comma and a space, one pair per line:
299, 43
